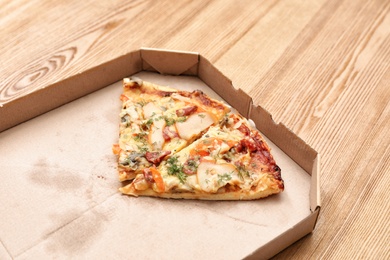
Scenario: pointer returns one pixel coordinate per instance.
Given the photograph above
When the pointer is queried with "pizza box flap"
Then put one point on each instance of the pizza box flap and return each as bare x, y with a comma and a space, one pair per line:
214, 78
281, 242
169, 62
292, 145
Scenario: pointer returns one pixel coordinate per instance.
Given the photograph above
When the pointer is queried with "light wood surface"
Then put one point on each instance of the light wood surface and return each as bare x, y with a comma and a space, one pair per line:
320, 67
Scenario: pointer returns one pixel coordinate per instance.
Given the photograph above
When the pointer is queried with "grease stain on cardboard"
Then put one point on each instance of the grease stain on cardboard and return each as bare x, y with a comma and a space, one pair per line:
54, 176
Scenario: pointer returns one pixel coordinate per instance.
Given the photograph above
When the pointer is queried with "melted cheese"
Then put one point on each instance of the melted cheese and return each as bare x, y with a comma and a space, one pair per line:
127, 141
132, 111
175, 145
212, 176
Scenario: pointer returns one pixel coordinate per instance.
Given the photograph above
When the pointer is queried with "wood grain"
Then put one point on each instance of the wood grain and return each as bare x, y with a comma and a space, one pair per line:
321, 67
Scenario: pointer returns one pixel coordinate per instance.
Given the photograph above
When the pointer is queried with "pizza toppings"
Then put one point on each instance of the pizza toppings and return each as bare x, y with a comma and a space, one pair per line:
150, 109
131, 159
169, 133
148, 176
175, 168
186, 111
157, 179
212, 176
190, 167
194, 124
156, 138
156, 157
178, 144
206, 101
133, 82
140, 183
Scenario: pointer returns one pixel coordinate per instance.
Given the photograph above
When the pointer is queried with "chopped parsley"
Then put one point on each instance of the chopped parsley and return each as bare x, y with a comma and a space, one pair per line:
175, 168
242, 172
217, 155
142, 149
169, 120
172, 120
224, 178
142, 102
181, 119
140, 137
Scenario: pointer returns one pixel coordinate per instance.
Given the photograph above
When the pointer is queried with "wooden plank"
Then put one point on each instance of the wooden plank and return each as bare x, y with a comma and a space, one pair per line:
319, 67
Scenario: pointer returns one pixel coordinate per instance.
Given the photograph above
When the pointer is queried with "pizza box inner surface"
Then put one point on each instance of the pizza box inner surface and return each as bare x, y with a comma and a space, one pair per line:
60, 193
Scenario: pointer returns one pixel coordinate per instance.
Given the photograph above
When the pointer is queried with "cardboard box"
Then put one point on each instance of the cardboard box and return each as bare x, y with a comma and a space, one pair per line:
59, 181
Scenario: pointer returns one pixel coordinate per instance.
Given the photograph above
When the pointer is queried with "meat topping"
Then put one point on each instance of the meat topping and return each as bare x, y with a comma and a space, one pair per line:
156, 157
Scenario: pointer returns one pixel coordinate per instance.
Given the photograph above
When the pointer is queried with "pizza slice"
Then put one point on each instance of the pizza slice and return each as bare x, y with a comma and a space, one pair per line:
158, 121
230, 161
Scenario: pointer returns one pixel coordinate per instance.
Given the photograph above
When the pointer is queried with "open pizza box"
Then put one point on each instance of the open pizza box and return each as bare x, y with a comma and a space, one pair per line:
59, 186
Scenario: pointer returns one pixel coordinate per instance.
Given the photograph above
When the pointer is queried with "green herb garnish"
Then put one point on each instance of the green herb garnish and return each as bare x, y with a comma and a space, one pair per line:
140, 137
142, 102
172, 120
242, 172
169, 120
181, 119
175, 168
223, 178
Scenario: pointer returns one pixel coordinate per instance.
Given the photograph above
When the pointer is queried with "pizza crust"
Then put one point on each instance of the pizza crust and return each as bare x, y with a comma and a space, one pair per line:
233, 195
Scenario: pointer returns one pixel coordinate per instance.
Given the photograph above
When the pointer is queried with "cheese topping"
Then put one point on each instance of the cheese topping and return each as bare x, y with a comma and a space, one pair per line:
212, 176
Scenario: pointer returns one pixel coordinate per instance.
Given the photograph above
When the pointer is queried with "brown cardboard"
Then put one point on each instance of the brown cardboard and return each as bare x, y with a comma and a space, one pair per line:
295, 147
59, 182
62, 92
301, 229
222, 85
170, 62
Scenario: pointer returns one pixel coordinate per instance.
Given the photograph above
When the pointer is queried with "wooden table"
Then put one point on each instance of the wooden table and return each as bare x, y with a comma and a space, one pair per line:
320, 67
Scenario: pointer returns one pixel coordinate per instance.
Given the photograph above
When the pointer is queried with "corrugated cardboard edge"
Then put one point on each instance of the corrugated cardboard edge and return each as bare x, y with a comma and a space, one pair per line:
169, 62
216, 80
178, 63
301, 229
304, 155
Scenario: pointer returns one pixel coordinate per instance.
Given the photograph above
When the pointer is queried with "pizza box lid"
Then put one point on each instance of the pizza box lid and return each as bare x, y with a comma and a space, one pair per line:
59, 182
